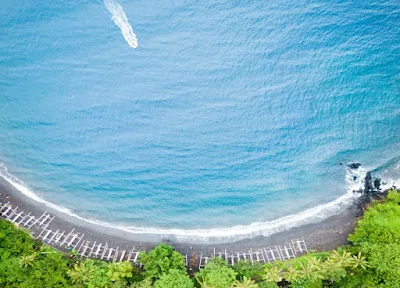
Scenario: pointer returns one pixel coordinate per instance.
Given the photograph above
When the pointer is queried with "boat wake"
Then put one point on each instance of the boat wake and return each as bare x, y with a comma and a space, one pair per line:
120, 19
354, 180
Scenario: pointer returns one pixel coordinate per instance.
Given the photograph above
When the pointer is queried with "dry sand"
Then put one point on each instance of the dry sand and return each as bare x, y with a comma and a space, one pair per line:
325, 235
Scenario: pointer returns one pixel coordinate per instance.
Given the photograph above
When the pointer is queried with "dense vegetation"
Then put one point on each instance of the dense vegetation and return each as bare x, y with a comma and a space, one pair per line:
372, 261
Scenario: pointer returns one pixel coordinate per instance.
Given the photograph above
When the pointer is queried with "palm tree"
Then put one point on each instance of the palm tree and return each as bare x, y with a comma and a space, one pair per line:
27, 260
359, 261
334, 267
330, 265
291, 274
318, 268
273, 274
244, 283
306, 270
82, 272
202, 282
344, 259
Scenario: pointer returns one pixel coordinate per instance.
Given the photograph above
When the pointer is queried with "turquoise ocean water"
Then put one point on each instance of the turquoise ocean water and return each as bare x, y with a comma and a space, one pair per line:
228, 116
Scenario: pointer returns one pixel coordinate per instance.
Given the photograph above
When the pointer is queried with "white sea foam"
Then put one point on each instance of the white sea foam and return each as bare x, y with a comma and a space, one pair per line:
120, 19
227, 234
389, 175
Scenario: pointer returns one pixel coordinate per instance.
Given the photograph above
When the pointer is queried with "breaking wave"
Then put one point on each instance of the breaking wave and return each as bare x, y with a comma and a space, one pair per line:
389, 172
354, 180
120, 19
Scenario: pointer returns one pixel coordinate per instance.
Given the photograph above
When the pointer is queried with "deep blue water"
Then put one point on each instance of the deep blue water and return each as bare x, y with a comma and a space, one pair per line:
227, 113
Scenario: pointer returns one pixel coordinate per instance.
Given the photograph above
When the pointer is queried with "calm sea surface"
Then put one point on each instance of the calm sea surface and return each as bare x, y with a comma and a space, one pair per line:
227, 113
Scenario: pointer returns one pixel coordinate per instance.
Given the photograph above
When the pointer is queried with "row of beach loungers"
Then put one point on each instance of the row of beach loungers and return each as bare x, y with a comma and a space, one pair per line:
73, 240
23, 219
290, 250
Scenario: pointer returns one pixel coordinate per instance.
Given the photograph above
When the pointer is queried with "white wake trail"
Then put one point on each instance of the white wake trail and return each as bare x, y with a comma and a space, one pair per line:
120, 19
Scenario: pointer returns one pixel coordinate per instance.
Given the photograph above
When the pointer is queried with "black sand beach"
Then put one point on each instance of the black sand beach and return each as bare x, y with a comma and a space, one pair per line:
325, 235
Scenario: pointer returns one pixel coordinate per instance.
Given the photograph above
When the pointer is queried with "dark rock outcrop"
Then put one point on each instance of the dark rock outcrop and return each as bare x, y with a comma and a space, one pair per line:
377, 183
368, 186
355, 165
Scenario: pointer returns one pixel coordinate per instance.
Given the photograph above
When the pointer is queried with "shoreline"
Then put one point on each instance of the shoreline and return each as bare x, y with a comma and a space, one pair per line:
326, 234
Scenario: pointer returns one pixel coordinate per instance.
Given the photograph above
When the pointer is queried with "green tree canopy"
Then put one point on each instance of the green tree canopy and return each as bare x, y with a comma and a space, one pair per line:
245, 268
216, 274
161, 260
174, 279
380, 224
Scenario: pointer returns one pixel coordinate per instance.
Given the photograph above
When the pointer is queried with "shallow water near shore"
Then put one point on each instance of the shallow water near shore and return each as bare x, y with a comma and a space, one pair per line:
228, 120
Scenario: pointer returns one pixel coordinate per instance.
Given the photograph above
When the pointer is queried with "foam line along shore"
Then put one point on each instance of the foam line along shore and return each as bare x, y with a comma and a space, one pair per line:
324, 234
354, 178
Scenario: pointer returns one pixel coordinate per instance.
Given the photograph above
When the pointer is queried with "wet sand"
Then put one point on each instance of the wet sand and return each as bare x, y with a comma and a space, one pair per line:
325, 235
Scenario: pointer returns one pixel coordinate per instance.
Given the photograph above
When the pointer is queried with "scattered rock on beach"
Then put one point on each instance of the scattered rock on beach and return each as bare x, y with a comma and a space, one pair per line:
358, 191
